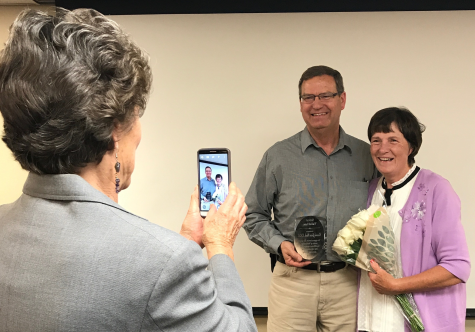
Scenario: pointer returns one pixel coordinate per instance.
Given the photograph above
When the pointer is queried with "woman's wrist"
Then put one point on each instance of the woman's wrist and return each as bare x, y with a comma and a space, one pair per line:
214, 249
398, 286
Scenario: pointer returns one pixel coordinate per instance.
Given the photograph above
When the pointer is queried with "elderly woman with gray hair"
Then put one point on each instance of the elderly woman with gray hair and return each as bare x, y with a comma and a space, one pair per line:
72, 91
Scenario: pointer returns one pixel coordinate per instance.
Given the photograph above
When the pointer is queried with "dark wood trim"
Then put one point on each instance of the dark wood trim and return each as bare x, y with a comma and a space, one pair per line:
137, 7
262, 311
259, 311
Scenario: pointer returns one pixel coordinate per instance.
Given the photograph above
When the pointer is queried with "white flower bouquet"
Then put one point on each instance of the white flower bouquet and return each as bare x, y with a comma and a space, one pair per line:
368, 235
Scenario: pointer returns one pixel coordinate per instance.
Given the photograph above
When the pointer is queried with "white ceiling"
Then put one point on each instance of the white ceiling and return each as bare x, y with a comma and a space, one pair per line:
17, 2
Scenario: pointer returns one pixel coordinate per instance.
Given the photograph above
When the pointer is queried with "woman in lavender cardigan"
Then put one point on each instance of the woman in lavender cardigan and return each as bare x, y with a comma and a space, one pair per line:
425, 216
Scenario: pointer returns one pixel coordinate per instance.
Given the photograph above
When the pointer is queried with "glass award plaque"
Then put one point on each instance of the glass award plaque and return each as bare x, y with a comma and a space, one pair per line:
310, 238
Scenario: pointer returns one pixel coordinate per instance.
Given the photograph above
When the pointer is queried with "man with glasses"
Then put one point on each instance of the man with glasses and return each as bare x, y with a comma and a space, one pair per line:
207, 186
323, 173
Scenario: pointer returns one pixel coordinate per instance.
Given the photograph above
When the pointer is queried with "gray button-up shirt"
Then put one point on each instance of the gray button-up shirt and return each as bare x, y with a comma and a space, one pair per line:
296, 178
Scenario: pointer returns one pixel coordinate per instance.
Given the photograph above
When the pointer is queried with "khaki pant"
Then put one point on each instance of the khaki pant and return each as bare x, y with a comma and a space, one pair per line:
305, 300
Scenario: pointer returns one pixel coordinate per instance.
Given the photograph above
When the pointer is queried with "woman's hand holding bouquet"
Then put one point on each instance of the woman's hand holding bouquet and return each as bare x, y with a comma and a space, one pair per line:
368, 242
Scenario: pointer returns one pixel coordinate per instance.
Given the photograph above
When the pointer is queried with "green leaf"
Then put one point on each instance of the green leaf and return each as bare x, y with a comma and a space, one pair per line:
351, 256
356, 245
382, 242
391, 248
374, 241
390, 239
378, 260
381, 249
384, 259
389, 254
351, 261
385, 229
377, 214
381, 234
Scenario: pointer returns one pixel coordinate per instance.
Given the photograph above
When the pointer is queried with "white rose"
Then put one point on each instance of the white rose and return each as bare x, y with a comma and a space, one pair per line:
357, 233
359, 220
340, 246
347, 235
349, 251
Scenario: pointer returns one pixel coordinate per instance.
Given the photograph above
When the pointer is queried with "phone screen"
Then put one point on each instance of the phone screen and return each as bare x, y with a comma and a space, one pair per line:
214, 176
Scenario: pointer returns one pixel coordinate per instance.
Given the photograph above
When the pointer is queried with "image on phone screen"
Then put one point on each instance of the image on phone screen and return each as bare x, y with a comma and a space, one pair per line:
214, 177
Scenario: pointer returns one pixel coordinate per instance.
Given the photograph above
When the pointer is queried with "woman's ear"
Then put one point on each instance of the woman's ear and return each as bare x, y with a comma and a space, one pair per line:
116, 135
115, 138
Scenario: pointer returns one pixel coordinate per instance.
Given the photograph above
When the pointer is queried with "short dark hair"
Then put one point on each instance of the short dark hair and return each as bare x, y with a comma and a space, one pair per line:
320, 71
218, 176
407, 124
207, 168
66, 82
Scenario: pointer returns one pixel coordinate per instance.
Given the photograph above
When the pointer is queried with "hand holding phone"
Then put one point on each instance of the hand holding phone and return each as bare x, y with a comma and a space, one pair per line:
192, 227
221, 227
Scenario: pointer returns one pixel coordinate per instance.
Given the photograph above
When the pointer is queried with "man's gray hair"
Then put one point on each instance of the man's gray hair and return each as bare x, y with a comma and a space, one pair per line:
321, 71
65, 82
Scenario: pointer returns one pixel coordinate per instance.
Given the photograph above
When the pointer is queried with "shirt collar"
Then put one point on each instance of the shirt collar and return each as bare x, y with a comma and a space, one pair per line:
307, 140
65, 187
408, 174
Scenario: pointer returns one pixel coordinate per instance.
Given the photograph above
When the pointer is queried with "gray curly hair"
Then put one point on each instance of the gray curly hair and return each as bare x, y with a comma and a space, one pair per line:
65, 82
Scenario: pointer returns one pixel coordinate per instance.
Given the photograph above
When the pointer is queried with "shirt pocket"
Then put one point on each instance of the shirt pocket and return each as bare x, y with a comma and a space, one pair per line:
354, 195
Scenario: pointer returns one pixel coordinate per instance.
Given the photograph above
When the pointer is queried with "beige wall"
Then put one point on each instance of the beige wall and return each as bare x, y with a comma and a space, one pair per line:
231, 81
11, 174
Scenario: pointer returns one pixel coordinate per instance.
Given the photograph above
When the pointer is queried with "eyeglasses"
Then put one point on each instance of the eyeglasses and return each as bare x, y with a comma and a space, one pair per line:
309, 99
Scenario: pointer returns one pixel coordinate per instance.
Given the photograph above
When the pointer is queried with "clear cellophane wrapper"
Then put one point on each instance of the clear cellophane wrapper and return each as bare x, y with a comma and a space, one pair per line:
379, 243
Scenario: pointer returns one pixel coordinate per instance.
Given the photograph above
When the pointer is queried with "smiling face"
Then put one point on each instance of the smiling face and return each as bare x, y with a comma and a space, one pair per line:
390, 153
218, 181
322, 115
208, 172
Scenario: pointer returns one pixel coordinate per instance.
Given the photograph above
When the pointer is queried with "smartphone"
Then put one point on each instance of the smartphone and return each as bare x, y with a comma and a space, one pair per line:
214, 177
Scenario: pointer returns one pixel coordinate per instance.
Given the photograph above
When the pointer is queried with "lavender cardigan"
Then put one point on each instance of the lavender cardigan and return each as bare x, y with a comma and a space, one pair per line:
431, 235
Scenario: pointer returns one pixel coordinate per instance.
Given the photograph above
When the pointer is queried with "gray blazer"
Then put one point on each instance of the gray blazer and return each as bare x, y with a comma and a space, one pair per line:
71, 259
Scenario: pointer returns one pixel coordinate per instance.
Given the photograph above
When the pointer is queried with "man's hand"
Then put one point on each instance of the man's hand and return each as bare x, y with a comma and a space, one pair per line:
292, 257
192, 227
221, 227
383, 282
